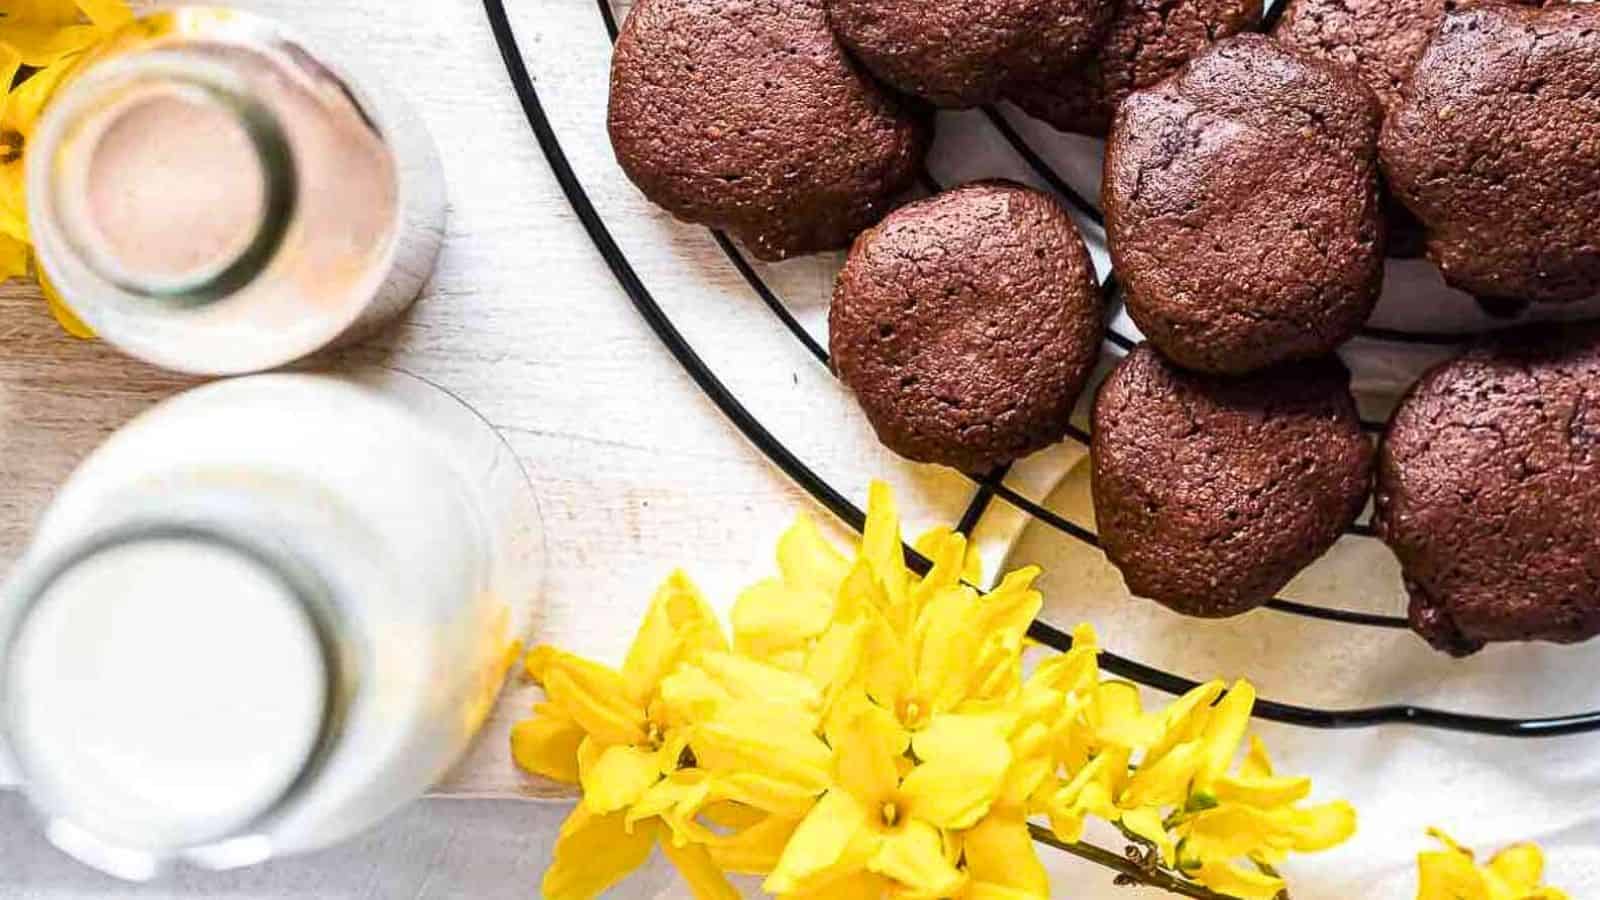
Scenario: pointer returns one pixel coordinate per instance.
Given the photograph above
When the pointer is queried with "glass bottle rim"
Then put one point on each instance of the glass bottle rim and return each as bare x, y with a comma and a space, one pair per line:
313, 600
59, 154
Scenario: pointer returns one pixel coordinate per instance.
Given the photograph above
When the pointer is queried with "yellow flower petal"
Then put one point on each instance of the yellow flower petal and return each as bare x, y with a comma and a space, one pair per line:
689, 695
1164, 783
865, 751
771, 742
1146, 823
1521, 866
808, 561
1321, 827
914, 855
1263, 793
547, 744
1001, 854
678, 626
1448, 875
881, 545
1257, 764
45, 45
677, 801
859, 886
950, 563
931, 543
1091, 790
964, 763
835, 662
699, 871
592, 853
943, 642
770, 795
595, 697
755, 849
614, 777
750, 679
770, 617
820, 844
13, 258
106, 14
1012, 606
1224, 730
1236, 881
1185, 719
1118, 719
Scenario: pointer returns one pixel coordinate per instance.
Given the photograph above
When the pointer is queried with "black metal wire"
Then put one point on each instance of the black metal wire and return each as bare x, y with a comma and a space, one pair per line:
841, 507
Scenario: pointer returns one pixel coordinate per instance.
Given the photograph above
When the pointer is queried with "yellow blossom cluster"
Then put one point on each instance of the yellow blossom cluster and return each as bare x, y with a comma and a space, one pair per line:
42, 42
1451, 873
870, 732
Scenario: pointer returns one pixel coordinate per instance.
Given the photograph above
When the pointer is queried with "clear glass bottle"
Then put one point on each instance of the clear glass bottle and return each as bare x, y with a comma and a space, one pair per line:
211, 197
262, 616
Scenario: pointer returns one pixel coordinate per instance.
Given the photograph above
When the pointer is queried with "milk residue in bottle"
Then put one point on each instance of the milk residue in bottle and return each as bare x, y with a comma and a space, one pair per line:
211, 197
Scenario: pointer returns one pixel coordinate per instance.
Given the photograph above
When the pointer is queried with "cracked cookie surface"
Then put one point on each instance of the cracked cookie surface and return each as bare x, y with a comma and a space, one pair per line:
1495, 146
748, 115
1489, 492
1146, 41
957, 53
1211, 493
967, 325
1242, 207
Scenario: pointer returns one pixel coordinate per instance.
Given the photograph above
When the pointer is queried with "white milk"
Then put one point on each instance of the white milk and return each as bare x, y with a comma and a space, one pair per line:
211, 197
262, 616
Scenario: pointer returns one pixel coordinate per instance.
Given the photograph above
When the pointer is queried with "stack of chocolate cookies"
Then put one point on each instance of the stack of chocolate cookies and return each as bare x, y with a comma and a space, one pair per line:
1253, 185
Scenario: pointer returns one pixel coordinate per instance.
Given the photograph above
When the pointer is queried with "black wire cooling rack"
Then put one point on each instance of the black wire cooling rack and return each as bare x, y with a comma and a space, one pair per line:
990, 486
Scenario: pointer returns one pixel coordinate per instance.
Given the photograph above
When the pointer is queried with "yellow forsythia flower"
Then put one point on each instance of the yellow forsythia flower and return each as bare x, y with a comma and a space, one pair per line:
869, 732
1452, 873
50, 38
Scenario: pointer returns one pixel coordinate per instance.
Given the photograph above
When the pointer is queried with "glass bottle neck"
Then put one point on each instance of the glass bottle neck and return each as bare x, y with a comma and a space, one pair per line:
159, 175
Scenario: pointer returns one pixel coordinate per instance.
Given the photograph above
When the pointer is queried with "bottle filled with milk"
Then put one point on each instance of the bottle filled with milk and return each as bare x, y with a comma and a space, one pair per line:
211, 196
262, 616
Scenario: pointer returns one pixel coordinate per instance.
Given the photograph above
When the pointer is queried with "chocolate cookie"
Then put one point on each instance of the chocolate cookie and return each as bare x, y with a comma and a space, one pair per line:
750, 117
1495, 145
1380, 41
959, 53
1242, 207
967, 325
1146, 42
1489, 493
1211, 493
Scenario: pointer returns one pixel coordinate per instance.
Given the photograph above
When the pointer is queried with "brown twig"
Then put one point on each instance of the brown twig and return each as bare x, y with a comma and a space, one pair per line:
1128, 870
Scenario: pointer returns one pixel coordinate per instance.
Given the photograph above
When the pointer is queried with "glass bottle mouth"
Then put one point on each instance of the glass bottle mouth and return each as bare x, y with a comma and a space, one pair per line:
162, 176
168, 689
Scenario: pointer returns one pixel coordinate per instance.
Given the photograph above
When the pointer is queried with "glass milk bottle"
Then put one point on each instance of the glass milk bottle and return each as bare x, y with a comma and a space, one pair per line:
211, 197
262, 616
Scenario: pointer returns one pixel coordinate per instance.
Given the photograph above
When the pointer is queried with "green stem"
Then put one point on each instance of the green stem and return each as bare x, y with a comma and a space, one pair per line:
1127, 868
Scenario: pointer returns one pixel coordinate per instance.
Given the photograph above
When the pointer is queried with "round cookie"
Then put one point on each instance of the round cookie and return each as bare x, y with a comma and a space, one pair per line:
1146, 42
967, 325
751, 117
1495, 146
1489, 493
1211, 493
957, 53
1380, 41
1242, 207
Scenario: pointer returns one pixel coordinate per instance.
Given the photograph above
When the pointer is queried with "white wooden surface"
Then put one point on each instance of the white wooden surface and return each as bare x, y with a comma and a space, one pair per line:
636, 471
